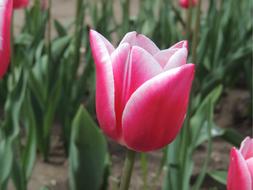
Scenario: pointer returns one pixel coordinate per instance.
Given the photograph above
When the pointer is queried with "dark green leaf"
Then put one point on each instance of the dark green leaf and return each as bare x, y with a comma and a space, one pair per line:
220, 176
87, 153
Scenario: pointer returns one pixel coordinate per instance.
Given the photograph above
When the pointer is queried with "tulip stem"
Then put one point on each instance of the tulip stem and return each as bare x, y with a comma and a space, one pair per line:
49, 31
189, 21
196, 34
127, 170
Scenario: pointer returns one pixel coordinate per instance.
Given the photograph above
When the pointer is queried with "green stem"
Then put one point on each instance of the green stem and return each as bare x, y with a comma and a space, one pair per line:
178, 15
189, 21
126, 15
127, 170
49, 31
78, 35
203, 170
144, 166
196, 34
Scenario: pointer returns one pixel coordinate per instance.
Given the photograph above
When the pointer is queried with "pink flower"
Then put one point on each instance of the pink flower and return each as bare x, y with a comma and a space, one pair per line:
17, 4
44, 4
5, 24
142, 92
186, 3
240, 172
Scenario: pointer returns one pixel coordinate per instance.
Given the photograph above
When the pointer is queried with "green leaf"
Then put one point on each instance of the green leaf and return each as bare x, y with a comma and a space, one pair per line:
88, 152
29, 152
199, 119
18, 174
59, 46
232, 136
220, 176
60, 28
6, 158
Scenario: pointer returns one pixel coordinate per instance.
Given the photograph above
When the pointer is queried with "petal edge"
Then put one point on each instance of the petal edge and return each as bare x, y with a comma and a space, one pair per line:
154, 114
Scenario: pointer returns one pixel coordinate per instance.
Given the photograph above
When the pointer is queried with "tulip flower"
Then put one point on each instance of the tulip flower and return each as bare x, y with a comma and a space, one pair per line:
240, 172
17, 4
187, 3
142, 92
44, 4
5, 24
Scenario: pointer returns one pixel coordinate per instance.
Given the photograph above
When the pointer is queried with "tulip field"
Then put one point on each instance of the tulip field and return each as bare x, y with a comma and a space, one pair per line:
126, 95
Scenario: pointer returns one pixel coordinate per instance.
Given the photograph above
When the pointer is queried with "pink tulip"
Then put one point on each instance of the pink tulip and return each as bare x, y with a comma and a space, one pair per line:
17, 4
240, 172
187, 3
44, 4
5, 24
142, 92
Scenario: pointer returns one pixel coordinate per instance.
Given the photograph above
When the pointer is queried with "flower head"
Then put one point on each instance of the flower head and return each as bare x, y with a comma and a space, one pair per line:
18, 4
187, 3
240, 172
142, 92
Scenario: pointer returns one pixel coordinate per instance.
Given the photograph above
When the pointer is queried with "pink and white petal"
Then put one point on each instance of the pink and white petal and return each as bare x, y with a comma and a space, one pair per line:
143, 67
238, 172
246, 148
132, 66
181, 44
105, 101
178, 59
135, 39
107, 44
155, 112
119, 58
163, 56
250, 167
5, 25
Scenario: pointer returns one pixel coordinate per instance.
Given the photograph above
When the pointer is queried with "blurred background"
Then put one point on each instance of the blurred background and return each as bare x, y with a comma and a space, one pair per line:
52, 73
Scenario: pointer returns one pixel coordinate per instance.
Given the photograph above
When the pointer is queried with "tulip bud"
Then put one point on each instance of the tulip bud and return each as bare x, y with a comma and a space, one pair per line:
18, 4
240, 172
187, 3
44, 4
142, 92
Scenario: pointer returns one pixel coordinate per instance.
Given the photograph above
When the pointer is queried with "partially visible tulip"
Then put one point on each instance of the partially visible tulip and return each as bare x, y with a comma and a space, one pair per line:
5, 25
18, 4
240, 172
44, 5
142, 92
187, 3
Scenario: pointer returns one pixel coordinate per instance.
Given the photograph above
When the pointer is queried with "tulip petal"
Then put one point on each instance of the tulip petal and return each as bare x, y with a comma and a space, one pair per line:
135, 39
107, 44
181, 44
17, 4
186, 3
5, 22
178, 59
155, 112
246, 148
105, 100
119, 60
238, 172
250, 167
163, 56
131, 68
